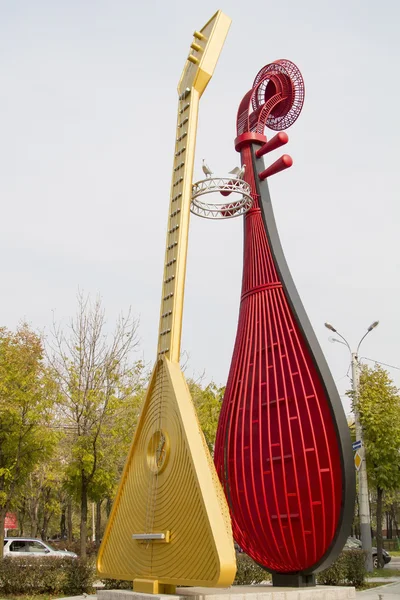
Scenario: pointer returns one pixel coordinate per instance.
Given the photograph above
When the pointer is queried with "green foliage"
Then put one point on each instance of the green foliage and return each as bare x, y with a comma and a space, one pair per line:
27, 398
117, 584
79, 577
335, 574
40, 575
100, 392
207, 402
379, 409
248, 572
355, 567
348, 569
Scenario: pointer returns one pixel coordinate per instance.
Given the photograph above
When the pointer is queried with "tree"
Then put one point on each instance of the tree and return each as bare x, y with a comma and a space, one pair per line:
207, 402
41, 497
379, 408
26, 409
97, 379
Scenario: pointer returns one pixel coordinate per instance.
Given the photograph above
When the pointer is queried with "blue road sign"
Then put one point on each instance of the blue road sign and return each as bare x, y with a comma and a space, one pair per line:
357, 445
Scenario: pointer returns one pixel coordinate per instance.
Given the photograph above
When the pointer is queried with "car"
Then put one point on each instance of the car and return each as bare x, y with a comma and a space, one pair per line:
353, 543
30, 546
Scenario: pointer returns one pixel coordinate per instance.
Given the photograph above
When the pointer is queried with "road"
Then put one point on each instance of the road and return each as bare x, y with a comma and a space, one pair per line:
394, 563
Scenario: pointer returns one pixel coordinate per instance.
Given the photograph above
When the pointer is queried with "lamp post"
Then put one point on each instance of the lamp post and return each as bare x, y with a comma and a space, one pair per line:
363, 498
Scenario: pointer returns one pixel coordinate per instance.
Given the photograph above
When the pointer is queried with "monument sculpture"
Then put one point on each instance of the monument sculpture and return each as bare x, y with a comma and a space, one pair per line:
170, 521
283, 449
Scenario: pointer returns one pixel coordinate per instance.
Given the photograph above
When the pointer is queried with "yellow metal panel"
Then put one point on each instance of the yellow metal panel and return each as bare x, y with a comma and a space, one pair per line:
215, 32
182, 495
169, 492
192, 84
171, 311
152, 586
211, 39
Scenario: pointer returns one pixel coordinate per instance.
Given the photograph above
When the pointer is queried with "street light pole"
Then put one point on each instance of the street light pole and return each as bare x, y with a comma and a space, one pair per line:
363, 496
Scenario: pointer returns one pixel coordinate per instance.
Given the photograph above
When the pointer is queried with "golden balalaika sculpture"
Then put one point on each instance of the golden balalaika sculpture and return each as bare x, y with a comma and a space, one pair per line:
170, 522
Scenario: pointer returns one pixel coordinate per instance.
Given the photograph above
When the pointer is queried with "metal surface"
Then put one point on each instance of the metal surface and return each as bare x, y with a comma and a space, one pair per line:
283, 449
150, 536
363, 496
275, 100
169, 483
226, 187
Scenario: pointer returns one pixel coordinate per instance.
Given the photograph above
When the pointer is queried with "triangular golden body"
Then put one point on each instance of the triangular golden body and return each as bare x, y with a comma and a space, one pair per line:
169, 486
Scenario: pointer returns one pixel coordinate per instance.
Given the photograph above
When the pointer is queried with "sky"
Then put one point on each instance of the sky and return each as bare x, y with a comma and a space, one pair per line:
87, 119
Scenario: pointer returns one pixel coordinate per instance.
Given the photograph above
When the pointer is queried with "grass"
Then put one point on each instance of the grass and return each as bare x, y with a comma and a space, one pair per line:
394, 552
29, 597
385, 573
32, 597
368, 585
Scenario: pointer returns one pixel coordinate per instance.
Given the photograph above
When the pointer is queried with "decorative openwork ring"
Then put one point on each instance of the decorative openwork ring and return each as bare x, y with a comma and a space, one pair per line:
282, 75
226, 187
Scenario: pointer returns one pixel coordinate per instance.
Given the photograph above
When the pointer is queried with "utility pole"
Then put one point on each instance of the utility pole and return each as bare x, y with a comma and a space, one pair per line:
363, 496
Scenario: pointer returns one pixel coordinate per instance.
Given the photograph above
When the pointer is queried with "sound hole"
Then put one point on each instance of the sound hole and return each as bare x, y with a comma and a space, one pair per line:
158, 451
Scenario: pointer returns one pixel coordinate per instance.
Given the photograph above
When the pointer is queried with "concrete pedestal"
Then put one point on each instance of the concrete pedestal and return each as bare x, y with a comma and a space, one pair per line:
239, 592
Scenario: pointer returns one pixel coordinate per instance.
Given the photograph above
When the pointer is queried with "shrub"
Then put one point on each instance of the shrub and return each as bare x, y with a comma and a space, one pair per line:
117, 584
50, 575
355, 567
21, 575
79, 577
348, 568
248, 572
335, 574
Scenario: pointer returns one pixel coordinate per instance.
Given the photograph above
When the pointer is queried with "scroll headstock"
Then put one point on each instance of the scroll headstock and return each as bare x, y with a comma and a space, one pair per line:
204, 53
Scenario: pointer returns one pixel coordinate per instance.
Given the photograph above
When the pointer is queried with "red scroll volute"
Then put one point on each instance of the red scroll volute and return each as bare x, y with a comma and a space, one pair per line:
283, 451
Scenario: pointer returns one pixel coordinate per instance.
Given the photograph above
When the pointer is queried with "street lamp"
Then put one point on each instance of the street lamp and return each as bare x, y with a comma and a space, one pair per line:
363, 498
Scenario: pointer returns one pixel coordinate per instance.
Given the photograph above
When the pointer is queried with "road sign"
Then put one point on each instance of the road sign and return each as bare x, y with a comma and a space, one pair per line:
357, 461
357, 444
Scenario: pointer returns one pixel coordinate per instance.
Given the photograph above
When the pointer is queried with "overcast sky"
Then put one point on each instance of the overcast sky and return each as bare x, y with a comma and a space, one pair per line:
87, 122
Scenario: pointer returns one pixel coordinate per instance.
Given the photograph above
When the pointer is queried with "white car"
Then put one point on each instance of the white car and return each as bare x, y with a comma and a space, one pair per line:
24, 546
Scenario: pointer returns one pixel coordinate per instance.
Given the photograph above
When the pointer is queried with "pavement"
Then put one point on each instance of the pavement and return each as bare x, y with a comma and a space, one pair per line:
384, 592
390, 591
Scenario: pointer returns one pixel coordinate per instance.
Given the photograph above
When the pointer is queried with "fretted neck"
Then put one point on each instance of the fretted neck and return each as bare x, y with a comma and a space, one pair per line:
171, 313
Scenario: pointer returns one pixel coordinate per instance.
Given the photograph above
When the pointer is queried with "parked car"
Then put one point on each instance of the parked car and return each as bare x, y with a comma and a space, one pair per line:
25, 546
355, 544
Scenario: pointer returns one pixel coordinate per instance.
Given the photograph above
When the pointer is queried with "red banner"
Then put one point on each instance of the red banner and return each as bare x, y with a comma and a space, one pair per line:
11, 521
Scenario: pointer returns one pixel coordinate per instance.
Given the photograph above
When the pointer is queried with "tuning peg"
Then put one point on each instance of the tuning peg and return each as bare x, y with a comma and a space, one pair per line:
284, 162
280, 139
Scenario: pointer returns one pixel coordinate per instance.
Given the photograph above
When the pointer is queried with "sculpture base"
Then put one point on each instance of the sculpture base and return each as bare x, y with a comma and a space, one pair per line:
239, 592
296, 580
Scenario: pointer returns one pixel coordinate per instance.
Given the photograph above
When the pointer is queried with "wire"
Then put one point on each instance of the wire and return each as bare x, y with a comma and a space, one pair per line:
379, 363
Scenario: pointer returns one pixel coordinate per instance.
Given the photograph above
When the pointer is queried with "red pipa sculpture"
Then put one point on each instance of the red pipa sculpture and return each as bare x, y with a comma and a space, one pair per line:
283, 450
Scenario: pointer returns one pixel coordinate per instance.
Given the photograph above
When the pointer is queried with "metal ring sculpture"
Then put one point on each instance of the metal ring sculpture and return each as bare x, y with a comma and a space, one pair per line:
226, 187
275, 100
283, 450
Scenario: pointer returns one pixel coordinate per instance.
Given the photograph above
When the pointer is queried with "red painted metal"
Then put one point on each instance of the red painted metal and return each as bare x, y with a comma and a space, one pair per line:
275, 100
249, 136
284, 162
277, 451
280, 139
